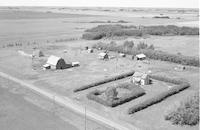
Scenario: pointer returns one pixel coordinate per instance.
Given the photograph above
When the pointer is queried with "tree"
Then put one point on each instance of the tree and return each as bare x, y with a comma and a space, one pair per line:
111, 93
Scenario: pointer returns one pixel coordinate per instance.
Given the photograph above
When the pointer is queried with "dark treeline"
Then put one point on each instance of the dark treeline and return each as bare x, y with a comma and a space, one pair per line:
117, 30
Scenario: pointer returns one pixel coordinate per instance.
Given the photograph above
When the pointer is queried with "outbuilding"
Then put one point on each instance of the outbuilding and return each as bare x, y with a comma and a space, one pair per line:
122, 55
180, 68
90, 50
140, 57
103, 56
57, 63
140, 78
74, 64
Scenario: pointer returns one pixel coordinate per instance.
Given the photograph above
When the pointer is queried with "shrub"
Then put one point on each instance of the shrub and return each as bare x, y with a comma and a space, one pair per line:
163, 17
124, 75
129, 44
187, 113
142, 45
93, 36
113, 102
181, 85
151, 47
111, 93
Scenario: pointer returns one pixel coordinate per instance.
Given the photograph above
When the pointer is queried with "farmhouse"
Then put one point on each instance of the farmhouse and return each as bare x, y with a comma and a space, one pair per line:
140, 57
140, 78
57, 63
37, 53
103, 56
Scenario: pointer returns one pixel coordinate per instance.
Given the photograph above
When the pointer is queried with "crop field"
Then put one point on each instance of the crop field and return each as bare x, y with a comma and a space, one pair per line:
58, 31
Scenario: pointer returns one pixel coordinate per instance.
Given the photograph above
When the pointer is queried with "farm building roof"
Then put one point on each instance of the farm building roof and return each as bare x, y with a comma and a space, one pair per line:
140, 75
53, 60
46, 65
102, 54
141, 56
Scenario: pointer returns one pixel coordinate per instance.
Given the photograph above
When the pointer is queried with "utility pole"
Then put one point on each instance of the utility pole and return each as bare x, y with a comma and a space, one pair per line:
85, 118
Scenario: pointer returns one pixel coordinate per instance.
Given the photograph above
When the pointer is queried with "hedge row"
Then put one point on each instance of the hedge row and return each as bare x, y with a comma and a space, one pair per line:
150, 53
135, 93
120, 30
181, 85
121, 76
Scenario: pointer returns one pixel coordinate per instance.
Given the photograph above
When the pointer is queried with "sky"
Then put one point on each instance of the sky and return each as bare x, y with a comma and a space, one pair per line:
104, 3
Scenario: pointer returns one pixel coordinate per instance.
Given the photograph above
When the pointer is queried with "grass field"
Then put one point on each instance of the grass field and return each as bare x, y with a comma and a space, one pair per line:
45, 28
14, 109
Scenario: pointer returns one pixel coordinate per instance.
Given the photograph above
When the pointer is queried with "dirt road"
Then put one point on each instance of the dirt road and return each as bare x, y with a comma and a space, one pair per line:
64, 101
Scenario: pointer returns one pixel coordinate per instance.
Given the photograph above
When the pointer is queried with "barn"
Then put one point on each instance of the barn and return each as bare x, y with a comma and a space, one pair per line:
140, 57
103, 56
57, 63
140, 78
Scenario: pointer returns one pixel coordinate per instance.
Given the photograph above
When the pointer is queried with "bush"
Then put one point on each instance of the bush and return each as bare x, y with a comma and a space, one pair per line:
142, 45
124, 75
111, 93
122, 30
128, 44
181, 85
187, 113
93, 36
163, 17
113, 102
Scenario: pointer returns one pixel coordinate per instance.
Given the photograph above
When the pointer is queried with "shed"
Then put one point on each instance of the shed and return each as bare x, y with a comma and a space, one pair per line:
38, 53
90, 50
46, 66
122, 55
74, 64
57, 63
180, 68
140, 57
103, 56
140, 78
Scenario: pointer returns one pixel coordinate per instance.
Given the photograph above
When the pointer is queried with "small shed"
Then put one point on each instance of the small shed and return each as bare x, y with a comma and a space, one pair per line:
74, 64
57, 63
103, 56
46, 66
122, 55
38, 53
140, 57
180, 68
90, 50
140, 78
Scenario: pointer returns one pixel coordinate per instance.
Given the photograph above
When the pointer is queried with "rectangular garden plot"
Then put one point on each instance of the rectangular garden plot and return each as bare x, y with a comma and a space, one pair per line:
180, 85
116, 95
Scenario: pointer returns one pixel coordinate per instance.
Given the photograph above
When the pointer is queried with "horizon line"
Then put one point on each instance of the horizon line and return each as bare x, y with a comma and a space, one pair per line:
98, 6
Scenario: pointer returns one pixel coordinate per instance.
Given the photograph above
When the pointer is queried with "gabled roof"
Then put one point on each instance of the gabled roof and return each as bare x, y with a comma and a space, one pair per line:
140, 56
140, 75
53, 60
102, 54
